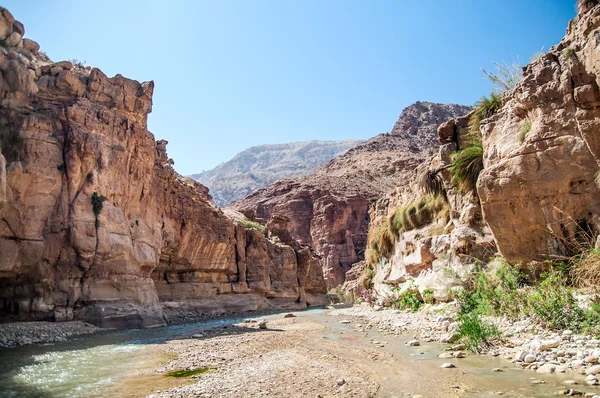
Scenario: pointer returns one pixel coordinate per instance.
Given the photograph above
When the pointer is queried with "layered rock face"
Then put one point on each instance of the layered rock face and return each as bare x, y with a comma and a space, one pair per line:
329, 208
94, 222
262, 165
438, 255
539, 189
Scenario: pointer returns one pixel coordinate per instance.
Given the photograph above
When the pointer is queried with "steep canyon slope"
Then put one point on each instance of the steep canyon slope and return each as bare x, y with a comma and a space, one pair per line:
328, 209
259, 166
537, 196
95, 224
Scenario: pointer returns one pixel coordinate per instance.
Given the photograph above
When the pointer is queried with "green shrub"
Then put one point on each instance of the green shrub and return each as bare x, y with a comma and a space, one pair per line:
253, 225
61, 167
550, 299
466, 166
484, 108
474, 332
428, 296
408, 299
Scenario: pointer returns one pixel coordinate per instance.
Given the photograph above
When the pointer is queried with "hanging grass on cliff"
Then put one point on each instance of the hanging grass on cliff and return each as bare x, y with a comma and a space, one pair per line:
382, 239
466, 166
253, 225
484, 108
417, 214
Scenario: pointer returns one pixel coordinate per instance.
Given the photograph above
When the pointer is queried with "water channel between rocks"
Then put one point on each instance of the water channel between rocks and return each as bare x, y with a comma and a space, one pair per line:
105, 364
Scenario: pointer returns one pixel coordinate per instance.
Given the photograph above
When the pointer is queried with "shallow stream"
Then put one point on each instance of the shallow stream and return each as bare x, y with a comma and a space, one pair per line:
103, 364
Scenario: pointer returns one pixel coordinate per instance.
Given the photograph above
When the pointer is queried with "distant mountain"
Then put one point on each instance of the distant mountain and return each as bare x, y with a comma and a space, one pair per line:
259, 166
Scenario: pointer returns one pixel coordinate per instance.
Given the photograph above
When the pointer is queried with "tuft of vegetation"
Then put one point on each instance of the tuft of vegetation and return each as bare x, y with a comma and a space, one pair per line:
585, 272
484, 108
253, 225
78, 64
409, 299
11, 142
417, 214
61, 167
550, 298
428, 296
526, 128
537, 55
466, 166
343, 296
506, 76
382, 240
474, 332
366, 279
97, 206
189, 372
568, 53
430, 183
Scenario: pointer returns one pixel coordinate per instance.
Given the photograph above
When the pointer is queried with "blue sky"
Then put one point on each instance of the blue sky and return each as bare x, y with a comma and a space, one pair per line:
233, 74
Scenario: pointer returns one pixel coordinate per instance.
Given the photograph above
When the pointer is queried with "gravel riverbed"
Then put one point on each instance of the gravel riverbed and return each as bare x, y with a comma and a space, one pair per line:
22, 333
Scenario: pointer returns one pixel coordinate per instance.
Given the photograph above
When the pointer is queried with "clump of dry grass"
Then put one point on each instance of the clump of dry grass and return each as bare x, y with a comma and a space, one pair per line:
418, 214
585, 272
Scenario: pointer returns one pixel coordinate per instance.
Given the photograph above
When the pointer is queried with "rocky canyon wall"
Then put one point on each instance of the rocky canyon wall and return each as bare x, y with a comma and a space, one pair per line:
95, 224
537, 196
539, 189
329, 209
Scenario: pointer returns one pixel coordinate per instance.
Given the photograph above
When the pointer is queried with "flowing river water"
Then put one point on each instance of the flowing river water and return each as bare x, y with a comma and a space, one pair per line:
102, 364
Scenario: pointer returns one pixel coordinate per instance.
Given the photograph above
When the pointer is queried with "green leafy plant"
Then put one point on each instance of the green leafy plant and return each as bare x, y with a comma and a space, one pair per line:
253, 225
428, 296
484, 108
408, 299
474, 332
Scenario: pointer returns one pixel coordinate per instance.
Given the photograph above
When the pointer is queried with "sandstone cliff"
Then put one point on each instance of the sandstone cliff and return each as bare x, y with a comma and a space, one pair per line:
328, 209
94, 222
537, 196
539, 189
262, 165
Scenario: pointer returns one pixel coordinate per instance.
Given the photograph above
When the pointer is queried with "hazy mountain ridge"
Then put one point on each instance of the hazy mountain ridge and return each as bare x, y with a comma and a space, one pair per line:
258, 166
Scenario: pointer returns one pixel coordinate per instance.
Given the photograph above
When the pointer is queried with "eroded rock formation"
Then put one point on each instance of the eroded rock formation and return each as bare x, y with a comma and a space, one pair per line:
95, 224
539, 188
438, 255
329, 209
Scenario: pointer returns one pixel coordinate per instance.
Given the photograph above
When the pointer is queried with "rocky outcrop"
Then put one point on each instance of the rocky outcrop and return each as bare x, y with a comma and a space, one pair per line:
262, 165
94, 222
329, 208
438, 255
539, 189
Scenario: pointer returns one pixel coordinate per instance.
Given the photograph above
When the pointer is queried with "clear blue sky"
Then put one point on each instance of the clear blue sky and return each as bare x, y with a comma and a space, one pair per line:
233, 74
